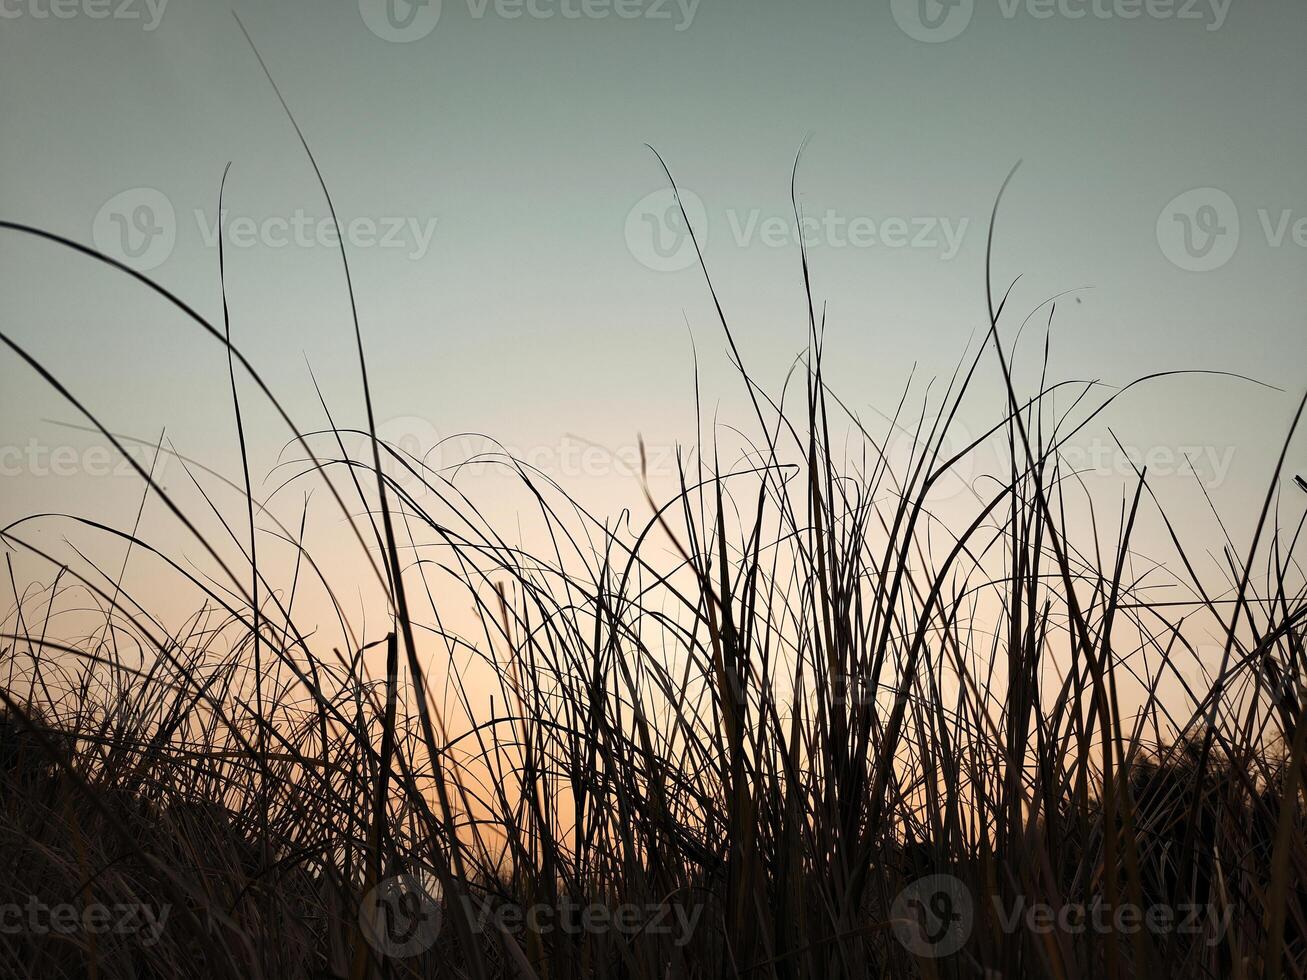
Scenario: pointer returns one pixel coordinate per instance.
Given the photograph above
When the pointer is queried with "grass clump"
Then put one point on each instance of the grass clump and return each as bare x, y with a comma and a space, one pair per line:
790, 724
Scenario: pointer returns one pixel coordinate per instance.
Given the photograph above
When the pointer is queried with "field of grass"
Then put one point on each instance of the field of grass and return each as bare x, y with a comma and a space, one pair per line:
784, 722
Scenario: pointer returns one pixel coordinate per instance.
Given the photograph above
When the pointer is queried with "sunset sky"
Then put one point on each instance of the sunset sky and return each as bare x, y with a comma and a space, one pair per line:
518, 271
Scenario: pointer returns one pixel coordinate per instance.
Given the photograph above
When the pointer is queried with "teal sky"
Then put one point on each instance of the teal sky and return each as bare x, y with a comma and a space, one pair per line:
507, 272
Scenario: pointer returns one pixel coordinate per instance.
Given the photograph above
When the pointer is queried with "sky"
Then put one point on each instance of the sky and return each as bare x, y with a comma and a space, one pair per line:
519, 269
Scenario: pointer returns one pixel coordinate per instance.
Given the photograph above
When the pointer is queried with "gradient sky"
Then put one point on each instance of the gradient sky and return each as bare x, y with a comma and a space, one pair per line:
493, 164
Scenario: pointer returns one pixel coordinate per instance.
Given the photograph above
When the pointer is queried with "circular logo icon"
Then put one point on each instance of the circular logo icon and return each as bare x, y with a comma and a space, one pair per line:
932, 21
903, 451
932, 917
138, 227
401, 917
400, 21
410, 450
1199, 230
657, 233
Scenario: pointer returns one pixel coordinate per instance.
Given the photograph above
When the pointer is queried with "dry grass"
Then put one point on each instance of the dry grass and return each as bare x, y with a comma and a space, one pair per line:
760, 714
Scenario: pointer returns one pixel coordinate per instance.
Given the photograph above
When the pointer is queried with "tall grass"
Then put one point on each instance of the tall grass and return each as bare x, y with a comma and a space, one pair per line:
746, 725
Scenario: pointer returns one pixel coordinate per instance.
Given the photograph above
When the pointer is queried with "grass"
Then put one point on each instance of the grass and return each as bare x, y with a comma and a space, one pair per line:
729, 739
